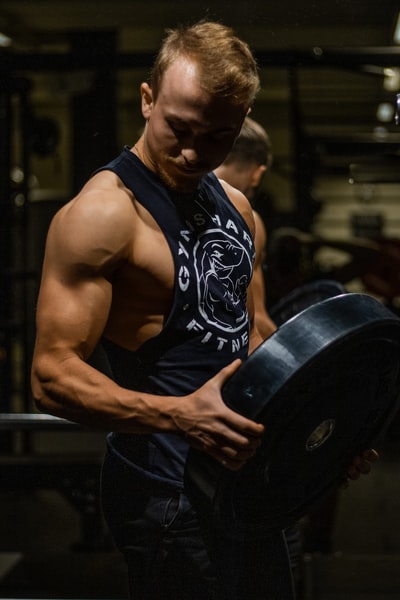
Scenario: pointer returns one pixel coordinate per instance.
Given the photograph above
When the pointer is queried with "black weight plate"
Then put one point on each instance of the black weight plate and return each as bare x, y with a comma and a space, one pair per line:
325, 385
304, 296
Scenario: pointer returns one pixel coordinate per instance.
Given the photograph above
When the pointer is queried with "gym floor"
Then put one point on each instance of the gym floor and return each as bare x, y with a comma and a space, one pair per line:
41, 555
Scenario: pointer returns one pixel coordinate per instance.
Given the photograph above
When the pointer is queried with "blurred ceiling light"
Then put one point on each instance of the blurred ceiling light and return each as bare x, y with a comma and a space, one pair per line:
391, 81
385, 112
5, 40
396, 33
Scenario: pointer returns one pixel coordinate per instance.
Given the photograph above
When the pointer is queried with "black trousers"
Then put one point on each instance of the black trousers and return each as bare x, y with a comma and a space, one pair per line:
173, 553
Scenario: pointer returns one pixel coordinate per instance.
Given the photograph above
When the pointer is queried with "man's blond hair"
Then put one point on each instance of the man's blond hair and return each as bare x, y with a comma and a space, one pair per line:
227, 66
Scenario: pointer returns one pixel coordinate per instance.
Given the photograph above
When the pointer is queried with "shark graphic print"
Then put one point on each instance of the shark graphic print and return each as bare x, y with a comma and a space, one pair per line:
215, 270
221, 295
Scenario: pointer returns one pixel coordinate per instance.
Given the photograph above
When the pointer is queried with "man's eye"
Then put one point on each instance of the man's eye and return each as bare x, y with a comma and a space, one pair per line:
177, 129
219, 137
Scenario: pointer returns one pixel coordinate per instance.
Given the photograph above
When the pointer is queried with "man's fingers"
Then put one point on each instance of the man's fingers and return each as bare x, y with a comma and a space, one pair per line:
371, 454
362, 464
226, 373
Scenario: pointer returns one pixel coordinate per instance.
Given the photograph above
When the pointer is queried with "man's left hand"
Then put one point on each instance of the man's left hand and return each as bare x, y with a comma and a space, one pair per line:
361, 465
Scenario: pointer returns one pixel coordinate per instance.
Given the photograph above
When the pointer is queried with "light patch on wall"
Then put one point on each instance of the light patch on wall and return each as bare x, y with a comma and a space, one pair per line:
5, 40
385, 112
396, 33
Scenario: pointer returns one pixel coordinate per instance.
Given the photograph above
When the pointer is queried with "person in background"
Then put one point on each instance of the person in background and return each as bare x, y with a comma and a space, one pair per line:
146, 309
244, 168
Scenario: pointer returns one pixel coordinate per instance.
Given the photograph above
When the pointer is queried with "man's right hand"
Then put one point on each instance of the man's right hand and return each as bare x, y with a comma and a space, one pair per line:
209, 425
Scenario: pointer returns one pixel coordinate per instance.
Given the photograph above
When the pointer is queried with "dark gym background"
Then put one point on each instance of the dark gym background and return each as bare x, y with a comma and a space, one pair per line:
69, 79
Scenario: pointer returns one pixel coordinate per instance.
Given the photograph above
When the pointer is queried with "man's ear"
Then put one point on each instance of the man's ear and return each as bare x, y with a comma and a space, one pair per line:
257, 175
147, 100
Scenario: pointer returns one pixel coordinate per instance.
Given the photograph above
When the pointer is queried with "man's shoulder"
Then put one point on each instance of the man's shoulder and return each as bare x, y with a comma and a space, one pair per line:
240, 202
103, 196
101, 214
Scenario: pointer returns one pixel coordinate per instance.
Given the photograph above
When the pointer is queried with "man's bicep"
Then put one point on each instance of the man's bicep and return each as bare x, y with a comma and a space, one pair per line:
72, 311
75, 291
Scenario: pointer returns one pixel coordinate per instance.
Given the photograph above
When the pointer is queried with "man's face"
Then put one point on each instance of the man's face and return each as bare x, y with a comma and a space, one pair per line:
188, 132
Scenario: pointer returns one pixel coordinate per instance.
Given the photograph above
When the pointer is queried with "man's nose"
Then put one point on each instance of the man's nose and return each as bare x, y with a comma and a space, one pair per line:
190, 155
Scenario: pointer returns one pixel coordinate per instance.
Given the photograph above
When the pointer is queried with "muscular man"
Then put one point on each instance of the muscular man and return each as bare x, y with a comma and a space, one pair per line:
146, 274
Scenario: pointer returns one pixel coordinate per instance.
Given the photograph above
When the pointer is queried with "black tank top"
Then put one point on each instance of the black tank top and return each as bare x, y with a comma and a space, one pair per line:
208, 325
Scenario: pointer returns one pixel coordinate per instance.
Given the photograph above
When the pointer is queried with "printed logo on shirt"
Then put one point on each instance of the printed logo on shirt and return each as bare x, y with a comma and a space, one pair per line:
219, 264
218, 259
